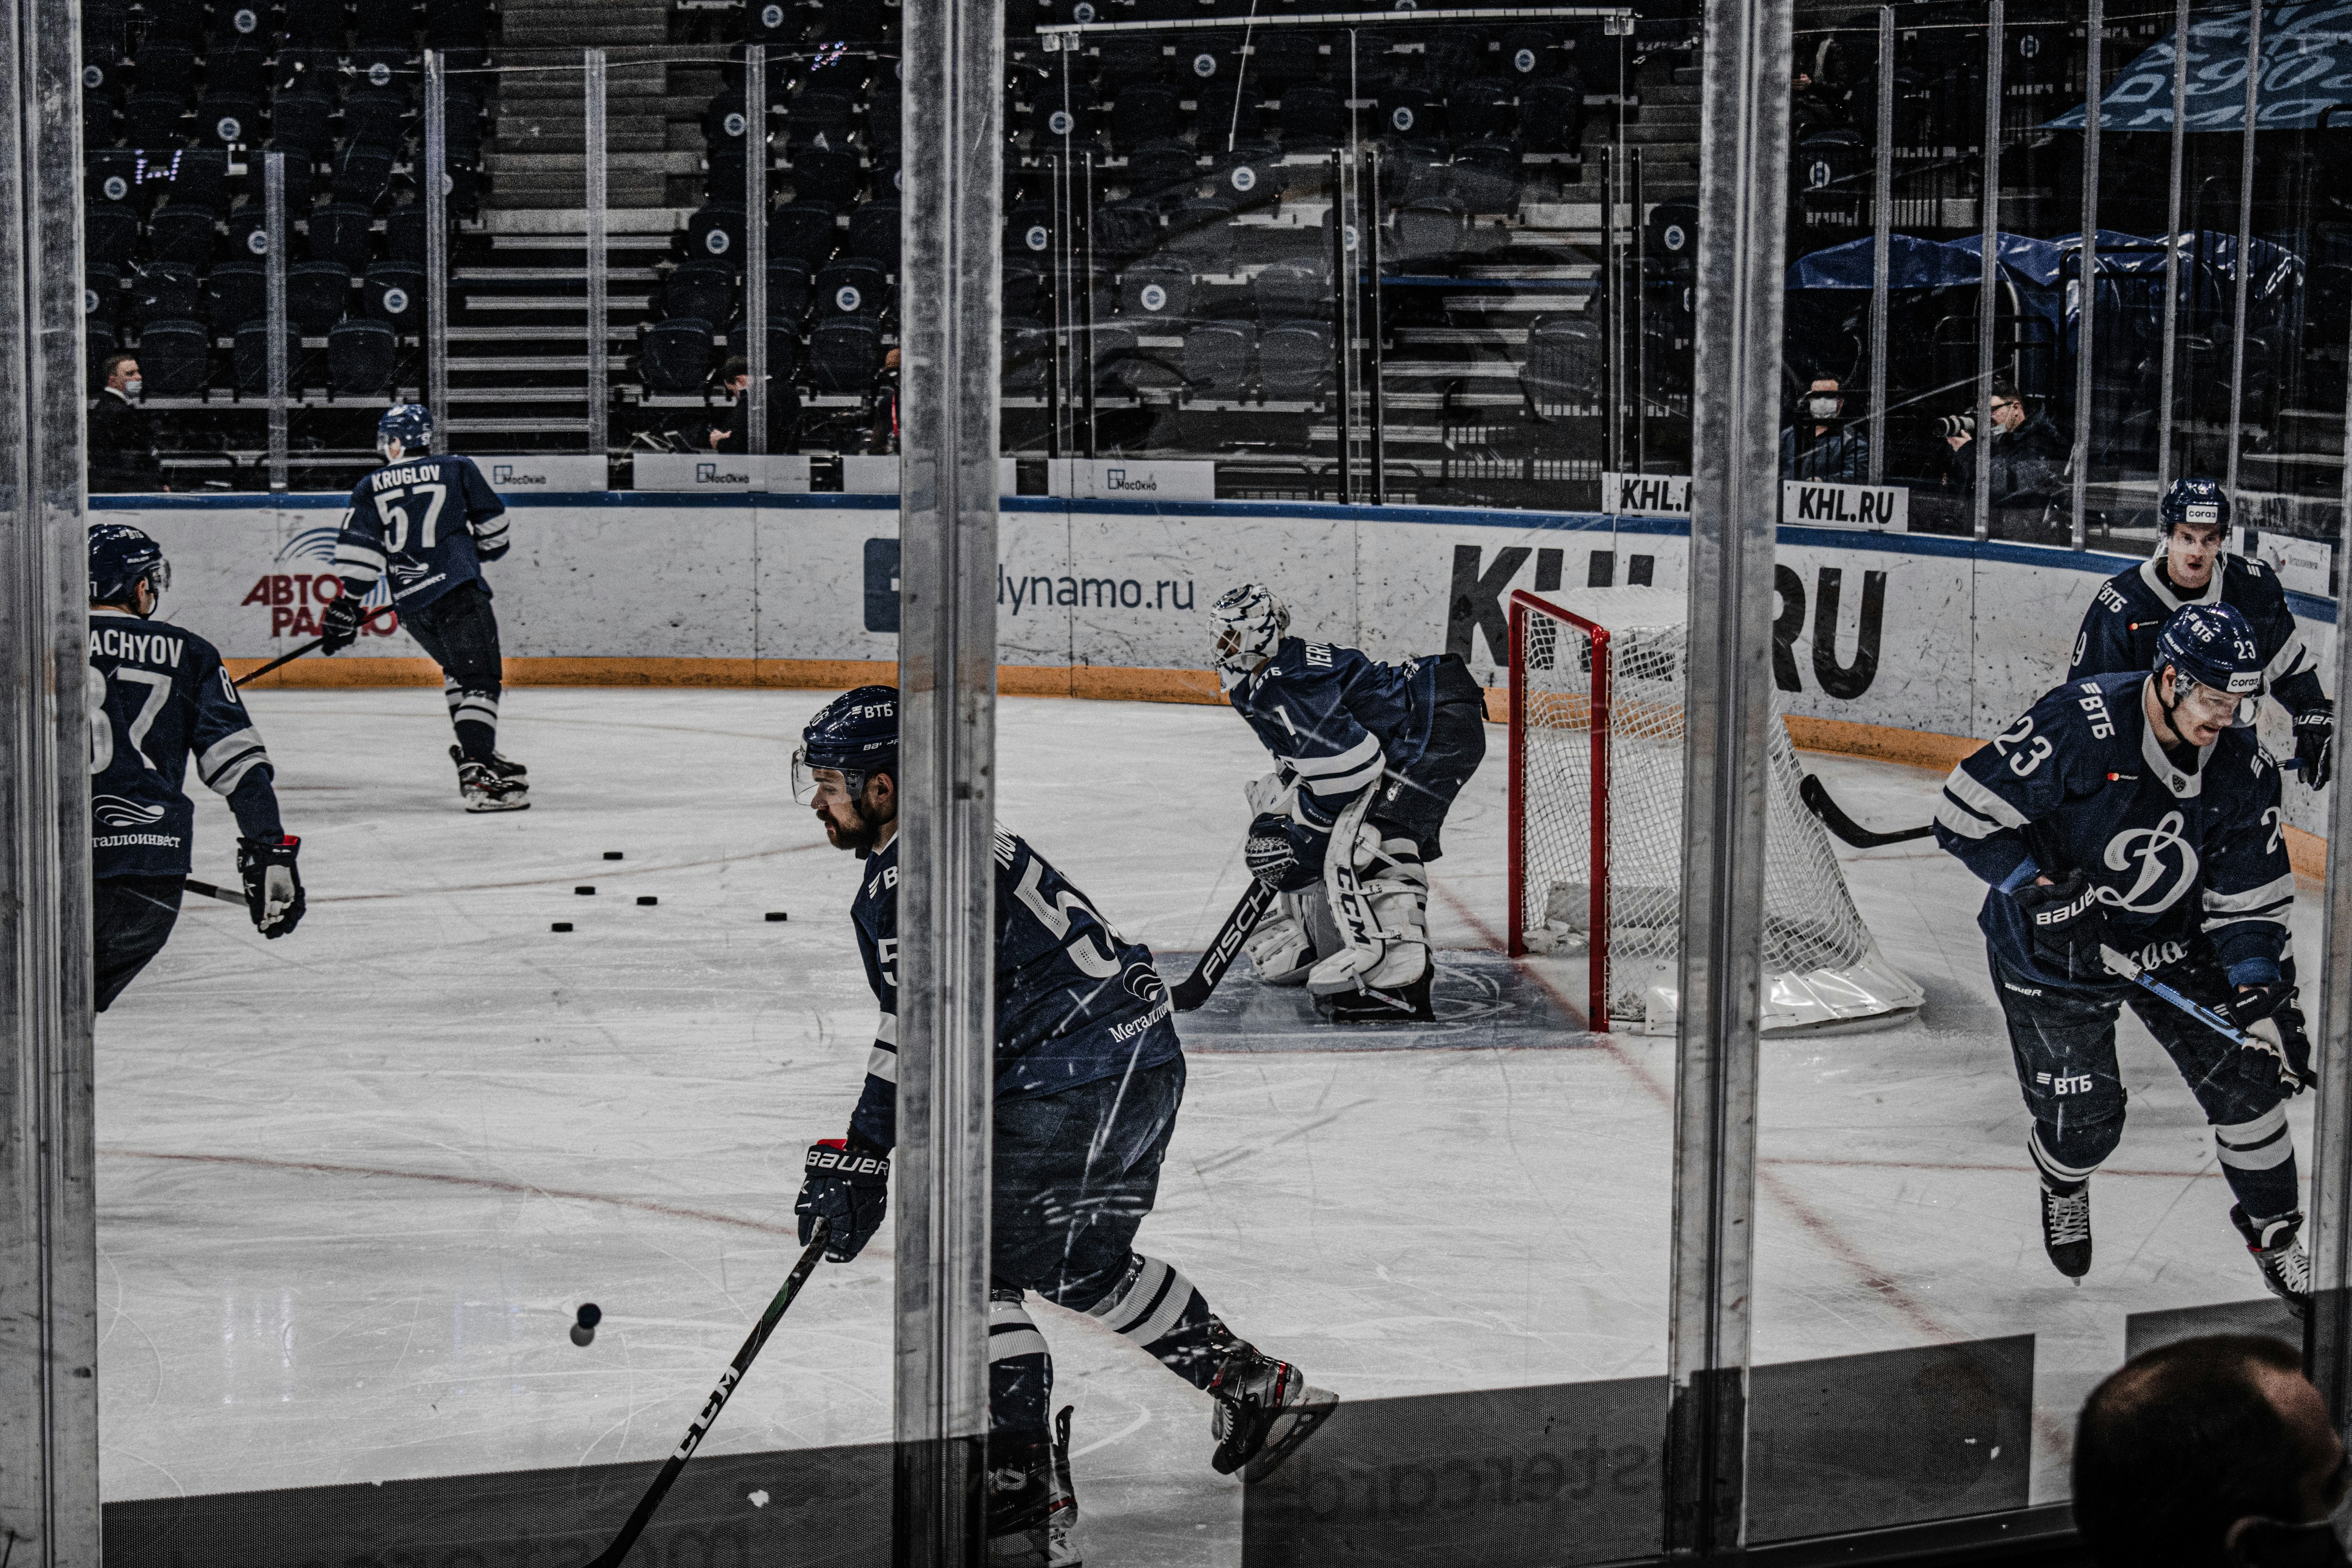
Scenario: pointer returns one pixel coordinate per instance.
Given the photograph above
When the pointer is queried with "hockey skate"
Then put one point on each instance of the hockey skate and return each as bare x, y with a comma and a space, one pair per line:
1265, 1407
504, 766
484, 790
1032, 1514
2066, 1228
2277, 1246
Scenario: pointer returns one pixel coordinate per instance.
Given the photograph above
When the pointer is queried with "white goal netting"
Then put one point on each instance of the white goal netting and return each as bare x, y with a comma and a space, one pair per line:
1619, 805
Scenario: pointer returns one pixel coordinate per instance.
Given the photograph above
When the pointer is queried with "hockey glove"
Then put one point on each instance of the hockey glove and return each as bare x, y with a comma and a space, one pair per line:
2258, 994
847, 1185
273, 888
2282, 1035
339, 623
2067, 922
2315, 743
1285, 853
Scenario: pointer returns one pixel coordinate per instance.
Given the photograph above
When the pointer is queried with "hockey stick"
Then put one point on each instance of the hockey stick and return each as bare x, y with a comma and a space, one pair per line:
2137, 972
1816, 796
610, 1556
209, 892
282, 659
1189, 993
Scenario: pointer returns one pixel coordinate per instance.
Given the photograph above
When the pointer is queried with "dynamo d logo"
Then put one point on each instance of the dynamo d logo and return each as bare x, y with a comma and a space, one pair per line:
2167, 866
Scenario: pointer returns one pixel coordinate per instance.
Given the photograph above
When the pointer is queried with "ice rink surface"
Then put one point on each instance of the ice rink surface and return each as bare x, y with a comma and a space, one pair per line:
354, 1183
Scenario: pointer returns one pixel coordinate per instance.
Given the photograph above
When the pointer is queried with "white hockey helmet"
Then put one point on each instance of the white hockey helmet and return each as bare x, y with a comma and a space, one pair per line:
1248, 623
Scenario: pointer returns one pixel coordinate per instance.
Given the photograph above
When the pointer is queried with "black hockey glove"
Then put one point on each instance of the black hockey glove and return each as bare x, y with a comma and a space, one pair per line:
847, 1185
273, 888
2067, 923
339, 623
2250, 1004
2315, 743
1285, 853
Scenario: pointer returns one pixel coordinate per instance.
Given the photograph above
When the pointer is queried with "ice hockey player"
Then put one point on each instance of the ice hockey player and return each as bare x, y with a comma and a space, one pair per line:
2124, 811
429, 523
1368, 758
156, 694
2197, 567
1089, 1078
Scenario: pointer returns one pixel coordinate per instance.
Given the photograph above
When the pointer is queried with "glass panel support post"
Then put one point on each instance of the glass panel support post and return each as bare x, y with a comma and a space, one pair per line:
2176, 155
1343, 339
1375, 326
2087, 258
1085, 365
273, 218
2330, 1345
1988, 272
436, 245
755, 249
1882, 202
947, 674
592, 198
2243, 263
1735, 502
49, 1217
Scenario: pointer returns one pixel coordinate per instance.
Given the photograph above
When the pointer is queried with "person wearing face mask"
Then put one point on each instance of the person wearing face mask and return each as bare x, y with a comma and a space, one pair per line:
2029, 457
121, 440
783, 410
2209, 1452
1834, 452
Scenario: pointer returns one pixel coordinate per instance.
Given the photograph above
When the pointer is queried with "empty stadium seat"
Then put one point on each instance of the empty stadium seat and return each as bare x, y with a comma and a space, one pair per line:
1411, 111
820, 116
166, 292
856, 286
1028, 348
1217, 357
1201, 229
1551, 115
343, 233
182, 233
1488, 177
1673, 235
1250, 175
1294, 362
1158, 286
404, 235
1114, 347
1124, 229
318, 294
393, 294
363, 174
230, 119
1024, 287
101, 294
845, 354
1481, 107
152, 120
804, 231
173, 358
1131, 57
1567, 364
674, 356
716, 233
110, 233
1143, 111
790, 281
236, 292
1164, 171
826, 174
704, 291
1029, 230
198, 178
1279, 58
248, 233
874, 230
111, 175
250, 363
300, 124
360, 358
1068, 112
1430, 227
1529, 52
1313, 116
1291, 291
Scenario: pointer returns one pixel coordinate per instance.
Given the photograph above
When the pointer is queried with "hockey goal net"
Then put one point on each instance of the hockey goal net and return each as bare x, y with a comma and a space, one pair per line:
1596, 837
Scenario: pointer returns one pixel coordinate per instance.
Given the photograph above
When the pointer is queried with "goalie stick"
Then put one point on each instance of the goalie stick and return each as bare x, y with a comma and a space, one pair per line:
1816, 796
610, 1556
1189, 993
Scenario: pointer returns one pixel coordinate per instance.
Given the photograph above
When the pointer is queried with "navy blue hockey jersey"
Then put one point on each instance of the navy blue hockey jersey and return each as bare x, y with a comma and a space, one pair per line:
1076, 1002
2080, 783
427, 522
2128, 612
157, 694
1335, 718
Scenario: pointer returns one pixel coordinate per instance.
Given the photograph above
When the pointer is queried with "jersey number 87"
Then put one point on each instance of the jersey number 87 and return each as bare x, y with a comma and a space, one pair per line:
102, 727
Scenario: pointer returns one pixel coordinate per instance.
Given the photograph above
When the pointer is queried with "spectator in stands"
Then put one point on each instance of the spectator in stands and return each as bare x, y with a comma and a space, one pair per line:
885, 401
1835, 451
122, 441
2029, 457
783, 410
2208, 1451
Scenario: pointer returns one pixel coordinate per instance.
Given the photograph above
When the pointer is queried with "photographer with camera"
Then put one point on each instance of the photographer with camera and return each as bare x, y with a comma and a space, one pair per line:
2029, 457
1835, 452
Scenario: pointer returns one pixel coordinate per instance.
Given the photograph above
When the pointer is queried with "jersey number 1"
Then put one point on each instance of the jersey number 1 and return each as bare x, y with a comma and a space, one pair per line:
434, 495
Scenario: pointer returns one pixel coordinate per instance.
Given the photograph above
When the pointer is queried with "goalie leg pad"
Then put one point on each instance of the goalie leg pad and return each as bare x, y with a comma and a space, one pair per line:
1282, 948
1391, 889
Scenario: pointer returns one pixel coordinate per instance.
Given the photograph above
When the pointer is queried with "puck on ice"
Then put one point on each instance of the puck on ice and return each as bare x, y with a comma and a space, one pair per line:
778, 915
647, 898
584, 892
583, 1325
612, 855
561, 925
583, 1335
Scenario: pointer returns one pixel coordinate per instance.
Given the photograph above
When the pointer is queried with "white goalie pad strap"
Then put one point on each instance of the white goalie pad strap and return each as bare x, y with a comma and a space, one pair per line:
2050, 1165
1012, 1332
882, 1062
2261, 1144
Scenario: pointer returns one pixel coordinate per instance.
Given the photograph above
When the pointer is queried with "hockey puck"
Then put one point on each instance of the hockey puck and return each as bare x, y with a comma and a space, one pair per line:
612, 855
589, 1315
584, 892
644, 899
561, 925
583, 1335
778, 915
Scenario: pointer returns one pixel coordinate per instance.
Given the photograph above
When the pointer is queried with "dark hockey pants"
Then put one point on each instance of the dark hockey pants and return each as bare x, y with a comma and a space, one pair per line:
132, 918
461, 633
1075, 1174
2064, 1043
1412, 800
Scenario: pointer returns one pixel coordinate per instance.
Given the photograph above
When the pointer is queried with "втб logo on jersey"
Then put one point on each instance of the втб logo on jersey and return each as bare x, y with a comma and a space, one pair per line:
2166, 862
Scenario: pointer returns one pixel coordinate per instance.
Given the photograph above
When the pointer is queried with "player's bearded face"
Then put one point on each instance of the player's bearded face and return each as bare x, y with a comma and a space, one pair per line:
856, 822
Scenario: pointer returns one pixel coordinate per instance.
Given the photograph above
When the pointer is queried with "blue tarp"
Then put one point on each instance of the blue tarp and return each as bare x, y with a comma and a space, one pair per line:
2307, 67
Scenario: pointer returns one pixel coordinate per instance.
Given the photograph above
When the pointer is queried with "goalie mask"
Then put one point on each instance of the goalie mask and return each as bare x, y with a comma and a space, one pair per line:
1248, 623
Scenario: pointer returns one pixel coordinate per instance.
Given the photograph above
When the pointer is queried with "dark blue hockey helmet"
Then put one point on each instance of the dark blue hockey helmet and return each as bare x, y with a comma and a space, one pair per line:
855, 733
410, 424
2212, 646
120, 556
2200, 503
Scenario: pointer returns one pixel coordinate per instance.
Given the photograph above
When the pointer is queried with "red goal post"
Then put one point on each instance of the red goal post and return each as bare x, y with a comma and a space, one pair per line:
1527, 614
